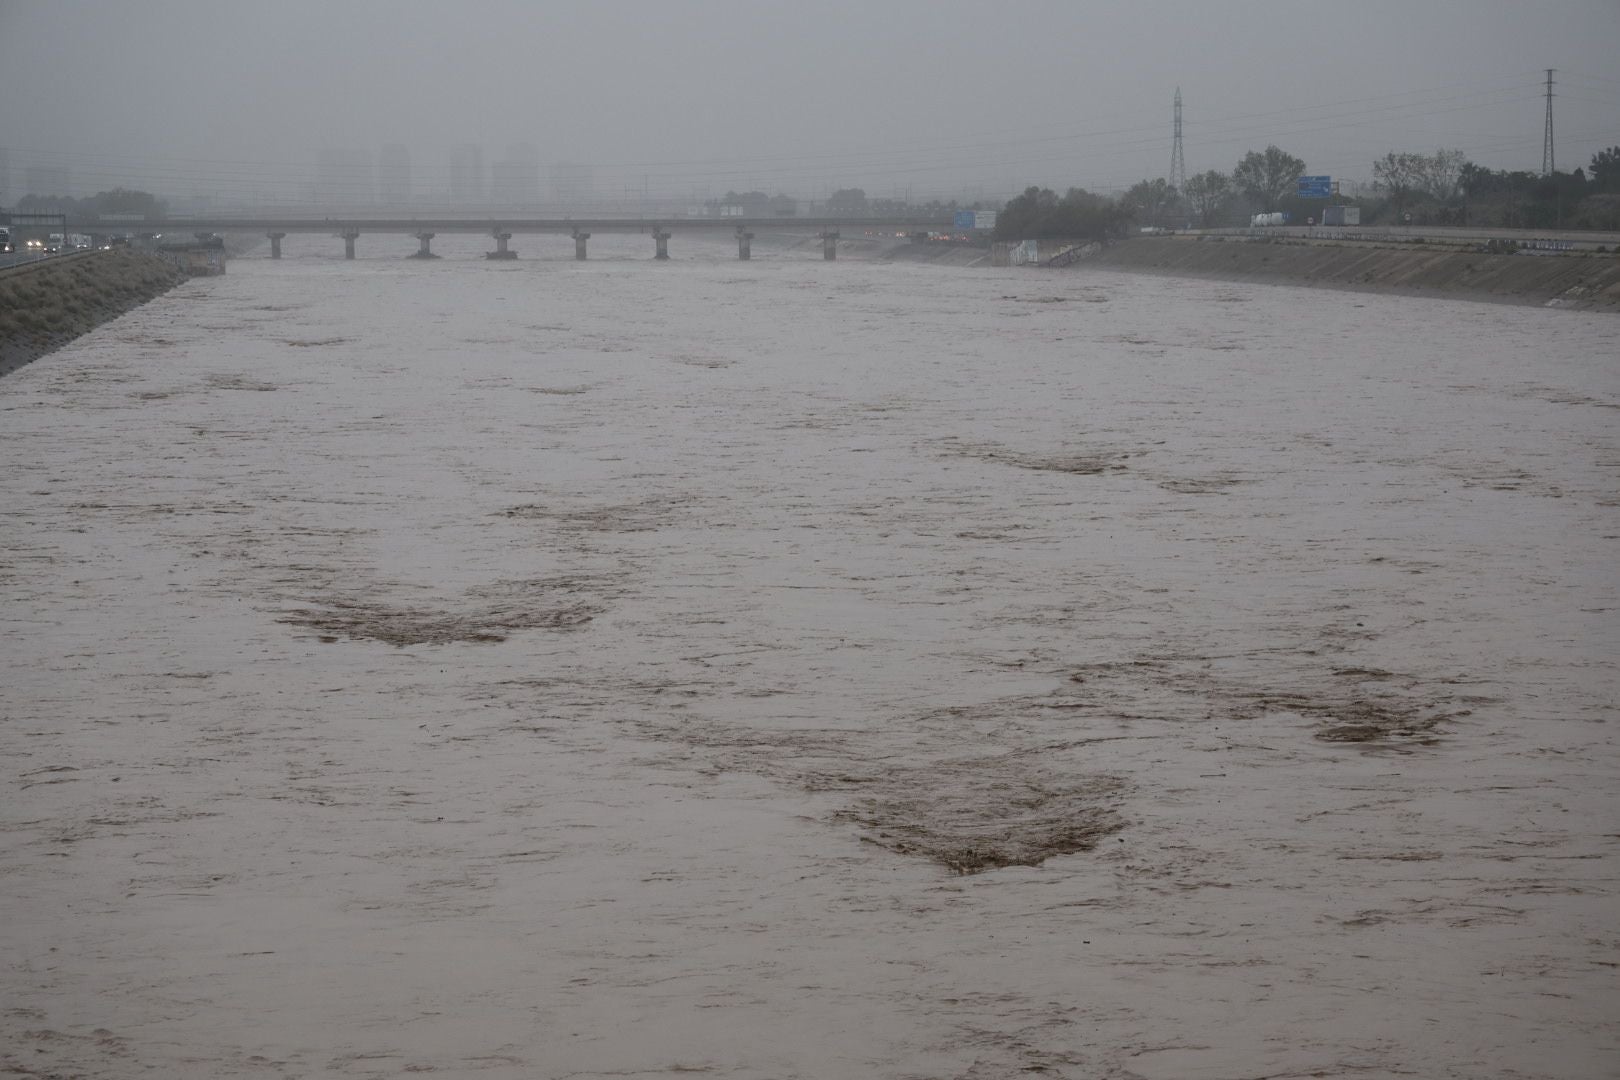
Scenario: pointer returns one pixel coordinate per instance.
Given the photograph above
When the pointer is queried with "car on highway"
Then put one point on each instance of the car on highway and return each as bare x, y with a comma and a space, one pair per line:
5, 241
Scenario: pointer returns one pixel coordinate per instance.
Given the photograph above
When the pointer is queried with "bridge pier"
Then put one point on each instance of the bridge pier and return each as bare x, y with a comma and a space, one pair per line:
829, 245
275, 244
745, 244
501, 250
349, 237
661, 242
579, 244
426, 251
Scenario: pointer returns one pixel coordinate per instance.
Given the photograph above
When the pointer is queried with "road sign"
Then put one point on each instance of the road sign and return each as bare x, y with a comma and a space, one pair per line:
38, 221
1315, 187
964, 219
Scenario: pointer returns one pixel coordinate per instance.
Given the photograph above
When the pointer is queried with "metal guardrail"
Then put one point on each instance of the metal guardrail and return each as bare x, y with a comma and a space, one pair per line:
1432, 234
45, 260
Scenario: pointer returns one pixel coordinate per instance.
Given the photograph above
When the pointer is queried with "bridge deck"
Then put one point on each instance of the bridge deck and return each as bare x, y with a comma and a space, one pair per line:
537, 225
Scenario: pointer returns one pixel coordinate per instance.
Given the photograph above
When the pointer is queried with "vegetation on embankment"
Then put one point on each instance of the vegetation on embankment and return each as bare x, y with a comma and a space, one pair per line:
1582, 281
1040, 214
45, 305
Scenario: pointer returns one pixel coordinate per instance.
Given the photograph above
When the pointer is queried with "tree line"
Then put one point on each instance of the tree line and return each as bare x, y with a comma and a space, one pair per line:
92, 207
1263, 179
1442, 188
1445, 188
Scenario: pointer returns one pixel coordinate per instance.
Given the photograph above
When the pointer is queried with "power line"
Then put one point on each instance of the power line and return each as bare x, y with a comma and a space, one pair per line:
1003, 158
833, 166
1588, 75
873, 155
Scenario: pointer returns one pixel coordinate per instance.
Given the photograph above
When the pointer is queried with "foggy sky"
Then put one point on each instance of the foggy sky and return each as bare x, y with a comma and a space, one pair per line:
908, 97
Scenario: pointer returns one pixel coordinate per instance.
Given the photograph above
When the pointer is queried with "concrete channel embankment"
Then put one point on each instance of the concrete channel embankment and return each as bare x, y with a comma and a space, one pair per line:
44, 305
940, 254
1573, 280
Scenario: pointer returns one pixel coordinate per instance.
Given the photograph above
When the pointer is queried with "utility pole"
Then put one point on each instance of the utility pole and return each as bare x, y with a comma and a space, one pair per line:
1547, 139
1178, 165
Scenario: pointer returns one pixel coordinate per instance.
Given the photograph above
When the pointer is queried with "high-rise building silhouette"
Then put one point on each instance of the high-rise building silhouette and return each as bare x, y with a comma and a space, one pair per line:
467, 174
343, 177
394, 175
572, 185
516, 180
47, 180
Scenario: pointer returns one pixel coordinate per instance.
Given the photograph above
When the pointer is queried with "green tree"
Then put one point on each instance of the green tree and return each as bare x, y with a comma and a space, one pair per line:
847, 201
85, 211
1477, 181
1400, 176
1152, 200
124, 201
753, 203
1039, 214
1265, 176
48, 204
1023, 216
1206, 192
1442, 174
1605, 169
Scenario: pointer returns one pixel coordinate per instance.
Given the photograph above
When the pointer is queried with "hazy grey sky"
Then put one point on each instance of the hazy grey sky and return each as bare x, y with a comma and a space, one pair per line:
682, 96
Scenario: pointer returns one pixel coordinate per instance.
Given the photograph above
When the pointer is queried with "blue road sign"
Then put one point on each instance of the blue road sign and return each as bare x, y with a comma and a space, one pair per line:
964, 219
1315, 187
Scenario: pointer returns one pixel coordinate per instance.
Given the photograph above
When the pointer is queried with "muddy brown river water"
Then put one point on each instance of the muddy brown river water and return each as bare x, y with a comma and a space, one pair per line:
802, 669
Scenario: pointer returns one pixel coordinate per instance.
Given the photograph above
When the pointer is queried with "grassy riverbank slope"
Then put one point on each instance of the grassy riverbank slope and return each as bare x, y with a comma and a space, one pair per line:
45, 305
1568, 280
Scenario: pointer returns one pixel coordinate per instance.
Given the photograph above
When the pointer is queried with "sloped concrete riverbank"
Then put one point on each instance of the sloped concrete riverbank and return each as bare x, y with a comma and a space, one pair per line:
1582, 282
45, 305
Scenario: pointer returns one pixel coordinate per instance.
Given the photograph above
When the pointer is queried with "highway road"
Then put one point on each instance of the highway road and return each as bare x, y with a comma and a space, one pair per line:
13, 260
16, 258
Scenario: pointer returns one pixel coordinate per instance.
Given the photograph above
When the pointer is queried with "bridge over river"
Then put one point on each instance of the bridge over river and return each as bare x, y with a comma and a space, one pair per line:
502, 230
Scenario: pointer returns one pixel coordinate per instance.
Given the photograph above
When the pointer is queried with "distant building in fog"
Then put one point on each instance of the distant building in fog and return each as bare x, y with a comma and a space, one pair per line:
394, 175
572, 186
467, 174
46, 180
516, 181
343, 177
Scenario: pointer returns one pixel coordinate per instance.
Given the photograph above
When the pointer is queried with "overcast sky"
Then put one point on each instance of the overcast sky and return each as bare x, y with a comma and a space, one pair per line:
919, 97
